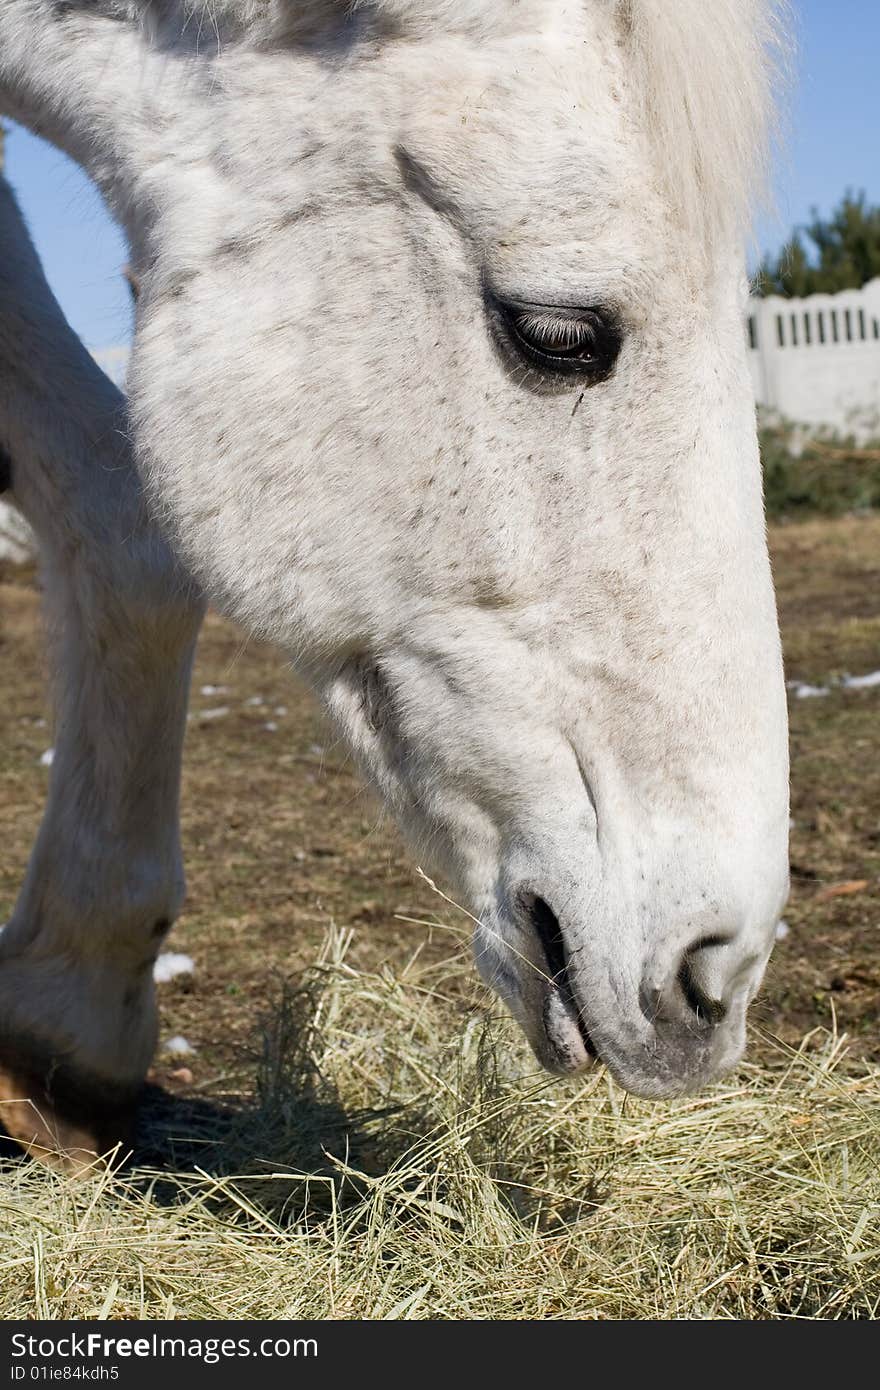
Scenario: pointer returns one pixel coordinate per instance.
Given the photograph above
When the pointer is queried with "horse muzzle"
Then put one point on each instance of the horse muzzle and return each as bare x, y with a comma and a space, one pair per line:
664, 1025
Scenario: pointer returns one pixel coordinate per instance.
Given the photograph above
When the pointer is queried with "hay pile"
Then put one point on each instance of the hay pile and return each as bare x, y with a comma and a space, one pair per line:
403, 1159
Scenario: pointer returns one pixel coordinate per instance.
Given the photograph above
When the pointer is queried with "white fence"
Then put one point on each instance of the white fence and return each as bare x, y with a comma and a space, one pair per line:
816, 361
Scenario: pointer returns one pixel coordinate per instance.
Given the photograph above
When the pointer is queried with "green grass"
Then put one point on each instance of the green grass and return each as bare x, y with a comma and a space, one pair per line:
827, 475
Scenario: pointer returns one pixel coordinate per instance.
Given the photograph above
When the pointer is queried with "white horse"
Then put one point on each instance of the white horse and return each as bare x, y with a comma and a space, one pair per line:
439, 380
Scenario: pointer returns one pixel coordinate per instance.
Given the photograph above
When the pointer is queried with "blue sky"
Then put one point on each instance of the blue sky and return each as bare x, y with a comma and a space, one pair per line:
834, 144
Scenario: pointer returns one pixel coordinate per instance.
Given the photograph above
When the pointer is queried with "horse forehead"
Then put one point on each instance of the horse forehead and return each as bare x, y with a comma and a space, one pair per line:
539, 128
548, 98
563, 63
519, 133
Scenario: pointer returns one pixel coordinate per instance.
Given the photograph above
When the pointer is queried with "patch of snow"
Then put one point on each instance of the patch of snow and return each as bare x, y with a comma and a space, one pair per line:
47, 758
255, 700
215, 690
171, 964
179, 1047
220, 712
810, 692
861, 682
803, 691
280, 710
316, 749
782, 930
16, 538
270, 726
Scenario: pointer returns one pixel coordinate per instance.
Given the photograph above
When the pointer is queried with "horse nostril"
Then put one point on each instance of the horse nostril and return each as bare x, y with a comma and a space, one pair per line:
545, 924
701, 979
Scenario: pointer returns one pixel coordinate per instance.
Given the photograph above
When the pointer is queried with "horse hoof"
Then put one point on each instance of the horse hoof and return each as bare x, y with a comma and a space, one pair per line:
31, 1116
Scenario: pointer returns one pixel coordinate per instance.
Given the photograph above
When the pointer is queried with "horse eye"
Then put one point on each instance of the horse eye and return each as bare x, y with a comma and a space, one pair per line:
561, 340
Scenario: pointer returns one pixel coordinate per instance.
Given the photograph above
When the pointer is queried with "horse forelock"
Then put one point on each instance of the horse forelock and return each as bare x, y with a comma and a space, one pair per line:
707, 80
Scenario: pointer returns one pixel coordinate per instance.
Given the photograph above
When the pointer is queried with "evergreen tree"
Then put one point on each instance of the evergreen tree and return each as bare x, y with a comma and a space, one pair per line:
840, 253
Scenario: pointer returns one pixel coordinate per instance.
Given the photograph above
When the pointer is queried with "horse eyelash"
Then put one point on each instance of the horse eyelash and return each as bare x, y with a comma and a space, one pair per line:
548, 327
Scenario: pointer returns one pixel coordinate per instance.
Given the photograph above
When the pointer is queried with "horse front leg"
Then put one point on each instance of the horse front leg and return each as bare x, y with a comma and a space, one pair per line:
105, 879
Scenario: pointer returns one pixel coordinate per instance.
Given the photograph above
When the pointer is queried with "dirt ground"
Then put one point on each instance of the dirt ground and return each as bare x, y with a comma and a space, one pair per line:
280, 837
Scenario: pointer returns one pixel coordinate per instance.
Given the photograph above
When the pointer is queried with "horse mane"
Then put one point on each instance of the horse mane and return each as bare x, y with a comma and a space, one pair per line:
707, 77
704, 74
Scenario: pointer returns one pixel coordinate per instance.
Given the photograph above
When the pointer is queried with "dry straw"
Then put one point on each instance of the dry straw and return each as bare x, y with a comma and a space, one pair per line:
401, 1158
